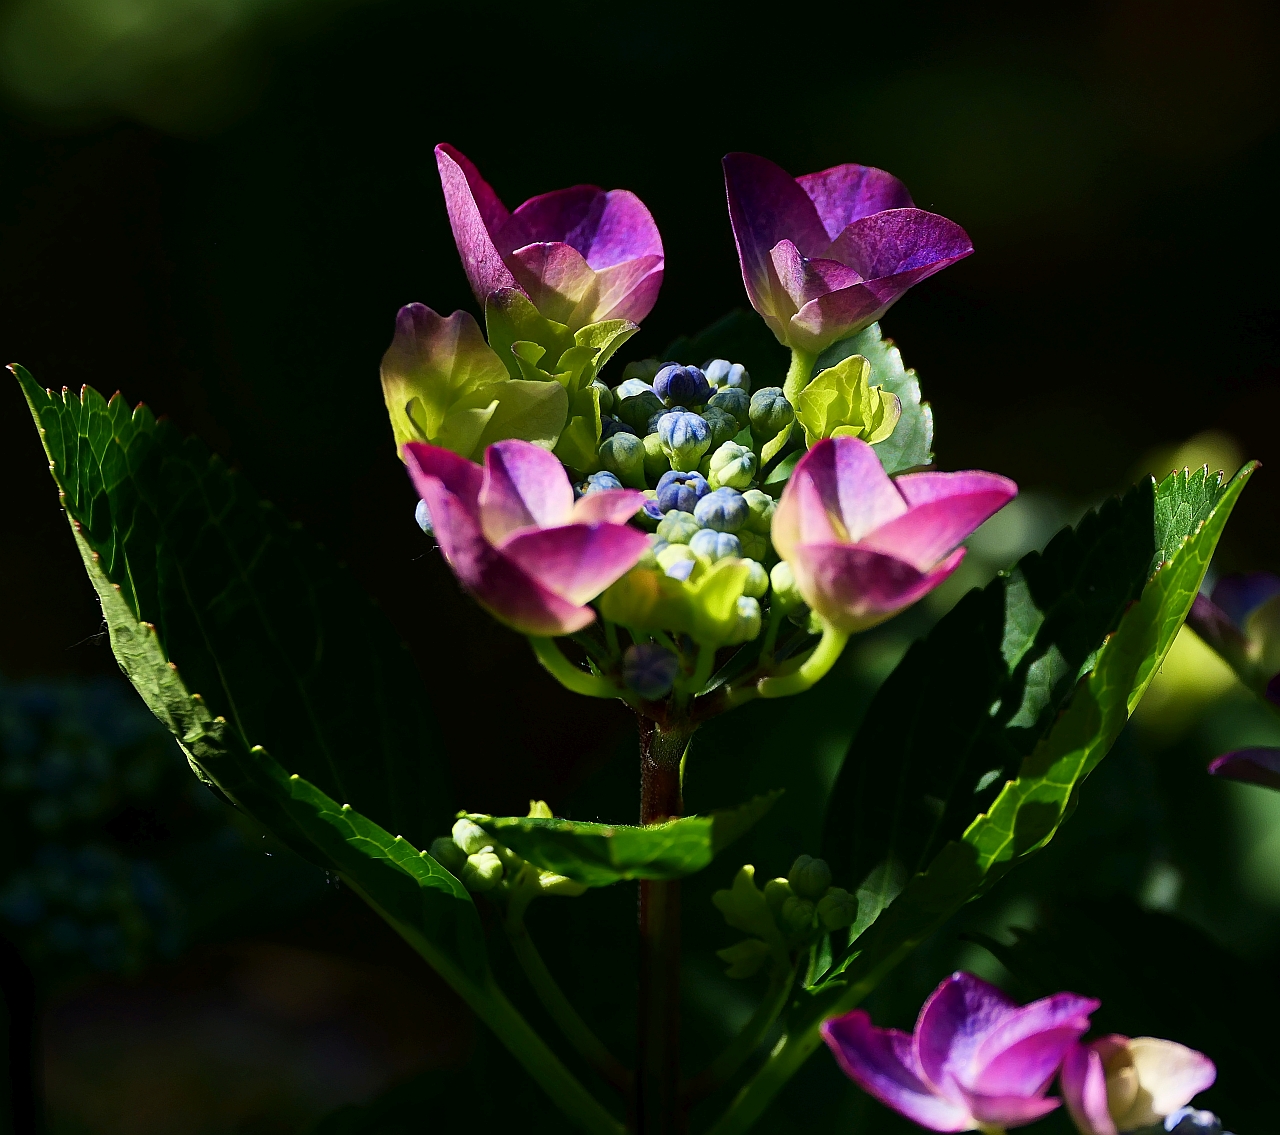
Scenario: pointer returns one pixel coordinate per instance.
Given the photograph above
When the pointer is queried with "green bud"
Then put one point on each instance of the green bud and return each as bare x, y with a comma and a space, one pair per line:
770, 412
656, 461
724, 426
758, 580
749, 620
448, 854
481, 872
677, 527
837, 909
623, 454
735, 402
783, 582
643, 369
761, 506
540, 810
809, 877
733, 466
754, 547
776, 892
606, 397
636, 409
471, 837
797, 915
650, 557
674, 554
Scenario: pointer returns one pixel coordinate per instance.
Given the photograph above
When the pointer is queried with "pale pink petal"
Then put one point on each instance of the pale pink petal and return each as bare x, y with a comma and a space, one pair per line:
524, 487
460, 477
880, 1062
1084, 1090
953, 1022
1009, 1111
1169, 1075
802, 515
557, 279
612, 506
852, 484
944, 509
627, 290
577, 561
475, 212
806, 279
849, 192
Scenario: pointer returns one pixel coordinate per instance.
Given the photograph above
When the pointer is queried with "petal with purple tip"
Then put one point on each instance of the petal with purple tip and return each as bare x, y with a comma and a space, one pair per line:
1253, 766
954, 1021
901, 241
524, 487
459, 477
880, 1062
475, 212
612, 506
577, 561
852, 484
1084, 1090
846, 193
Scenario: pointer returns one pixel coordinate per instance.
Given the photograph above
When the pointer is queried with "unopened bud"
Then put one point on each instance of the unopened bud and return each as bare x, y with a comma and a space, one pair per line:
634, 402
686, 386
606, 396
422, 515
540, 810
481, 872
732, 465
685, 438
650, 670
656, 461
771, 413
758, 580
715, 546
677, 560
749, 620
678, 527
761, 507
725, 375
642, 370
623, 454
723, 509
470, 836
734, 402
681, 490
724, 426
754, 547
785, 594
776, 892
837, 909
797, 915
448, 854
809, 877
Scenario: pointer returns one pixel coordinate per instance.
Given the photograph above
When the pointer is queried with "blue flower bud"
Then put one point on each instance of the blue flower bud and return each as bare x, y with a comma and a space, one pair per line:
650, 514
761, 506
809, 877
757, 581
771, 413
610, 426
724, 510
678, 527
606, 396
635, 403
650, 670
687, 385
724, 426
681, 490
677, 560
623, 454
642, 369
733, 465
712, 545
735, 402
599, 482
727, 376
685, 437
654, 419
423, 516
656, 461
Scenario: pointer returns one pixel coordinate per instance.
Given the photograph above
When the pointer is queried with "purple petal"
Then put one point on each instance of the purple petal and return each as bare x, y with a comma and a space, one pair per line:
880, 1062
766, 206
804, 279
802, 515
1238, 596
612, 506
563, 216
1009, 1111
839, 314
1084, 1090
557, 279
461, 478
494, 580
626, 232
475, 213
953, 1022
854, 588
627, 290
847, 193
578, 561
1253, 766
944, 510
853, 485
901, 242
1011, 1058
524, 487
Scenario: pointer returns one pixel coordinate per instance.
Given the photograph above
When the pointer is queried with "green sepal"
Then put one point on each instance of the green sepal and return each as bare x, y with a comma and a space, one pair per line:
705, 606
911, 443
744, 908
599, 855
841, 402
511, 318
606, 337
579, 445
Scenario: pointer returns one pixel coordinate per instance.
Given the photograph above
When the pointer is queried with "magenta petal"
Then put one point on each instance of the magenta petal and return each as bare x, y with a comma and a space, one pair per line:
852, 484
803, 515
1009, 1111
880, 1062
953, 1022
475, 212
804, 279
1026, 1067
499, 584
944, 510
563, 216
626, 232
1084, 1090
846, 193
557, 280
612, 506
1253, 766
460, 477
524, 487
900, 241
839, 314
577, 561
627, 290
1067, 1011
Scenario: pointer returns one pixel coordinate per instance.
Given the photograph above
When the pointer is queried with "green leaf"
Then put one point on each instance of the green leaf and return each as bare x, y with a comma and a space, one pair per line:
599, 855
1033, 645
841, 402
741, 337
579, 445
911, 443
606, 337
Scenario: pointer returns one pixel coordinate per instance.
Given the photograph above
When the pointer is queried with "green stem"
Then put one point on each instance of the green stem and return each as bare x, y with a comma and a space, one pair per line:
492, 1007
813, 668
722, 1068
798, 373
611, 638
569, 675
558, 1006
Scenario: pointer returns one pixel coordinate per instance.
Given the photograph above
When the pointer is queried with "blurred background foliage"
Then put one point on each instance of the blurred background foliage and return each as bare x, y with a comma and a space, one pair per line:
217, 206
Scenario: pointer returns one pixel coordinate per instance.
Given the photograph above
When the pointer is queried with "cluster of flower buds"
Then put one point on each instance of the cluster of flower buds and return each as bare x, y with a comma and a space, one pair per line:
978, 1060
484, 865
787, 916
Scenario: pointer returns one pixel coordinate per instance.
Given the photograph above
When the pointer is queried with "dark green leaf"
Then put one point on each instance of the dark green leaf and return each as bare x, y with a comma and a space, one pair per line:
602, 854
911, 442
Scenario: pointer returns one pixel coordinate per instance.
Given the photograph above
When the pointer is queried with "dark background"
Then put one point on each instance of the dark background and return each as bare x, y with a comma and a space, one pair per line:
217, 207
